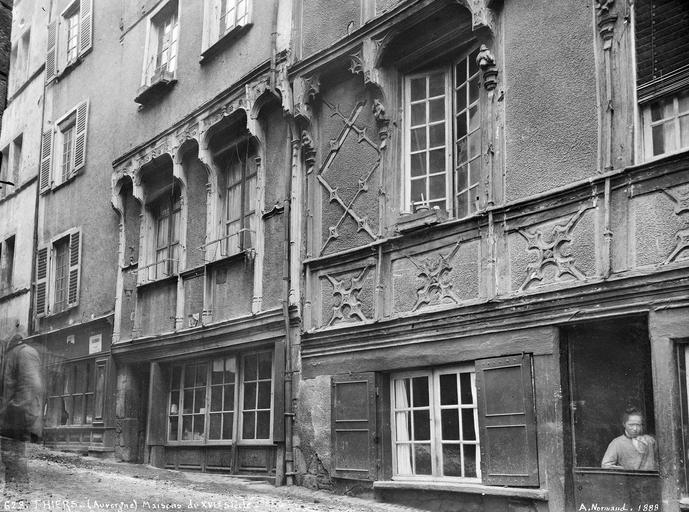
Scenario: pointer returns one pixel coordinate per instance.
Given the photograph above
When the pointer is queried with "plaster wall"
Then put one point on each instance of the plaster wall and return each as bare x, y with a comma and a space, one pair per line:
14, 313
34, 17
17, 217
550, 95
323, 23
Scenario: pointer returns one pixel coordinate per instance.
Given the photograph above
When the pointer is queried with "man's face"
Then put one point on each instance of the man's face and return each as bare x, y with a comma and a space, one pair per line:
634, 426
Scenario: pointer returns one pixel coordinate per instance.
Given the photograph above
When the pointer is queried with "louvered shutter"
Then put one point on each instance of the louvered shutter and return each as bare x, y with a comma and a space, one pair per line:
74, 267
86, 26
507, 421
662, 38
353, 420
51, 55
80, 138
46, 153
41, 285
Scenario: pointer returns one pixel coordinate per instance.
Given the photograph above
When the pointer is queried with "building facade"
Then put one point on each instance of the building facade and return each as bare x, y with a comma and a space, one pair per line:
430, 250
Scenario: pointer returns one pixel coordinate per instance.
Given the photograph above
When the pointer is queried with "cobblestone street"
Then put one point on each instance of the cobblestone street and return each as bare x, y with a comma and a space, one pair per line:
65, 483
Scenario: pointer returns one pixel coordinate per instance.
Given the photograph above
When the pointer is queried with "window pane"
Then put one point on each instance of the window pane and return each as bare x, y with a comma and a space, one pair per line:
470, 461
465, 388
422, 457
263, 425
448, 389
189, 376
230, 369
420, 391
200, 400
657, 110
436, 135
461, 72
474, 119
450, 425
468, 430
188, 404
418, 164
228, 418
418, 114
401, 393
89, 408
215, 426
422, 425
264, 395
475, 144
452, 462
418, 88
462, 151
228, 401
250, 363
418, 190
418, 139
250, 395
216, 398
78, 410
174, 423
437, 188
683, 102
174, 402
473, 65
248, 425
461, 99
684, 131
404, 462
461, 178
658, 140
475, 172
186, 428
436, 160
473, 89
436, 110
436, 85
462, 204
265, 368
201, 374
199, 426
217, 372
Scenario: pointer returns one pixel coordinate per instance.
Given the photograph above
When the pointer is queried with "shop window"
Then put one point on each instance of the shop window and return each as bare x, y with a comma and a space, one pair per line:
161, 53
63, 149
73, 396
443, 138
224, 17
239, 208
662, 55
203, 400
56, 287
70, 38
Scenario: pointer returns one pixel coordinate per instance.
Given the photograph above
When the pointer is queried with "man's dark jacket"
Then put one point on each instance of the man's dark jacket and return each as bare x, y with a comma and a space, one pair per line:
22, 390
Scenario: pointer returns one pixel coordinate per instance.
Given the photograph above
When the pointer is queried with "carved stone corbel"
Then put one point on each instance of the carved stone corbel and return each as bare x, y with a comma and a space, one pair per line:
364, 62
308, 150
482, 14
383, 122
305, 91
486, 62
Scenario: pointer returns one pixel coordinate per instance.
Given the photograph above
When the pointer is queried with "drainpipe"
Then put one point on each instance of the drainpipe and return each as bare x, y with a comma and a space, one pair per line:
274, 43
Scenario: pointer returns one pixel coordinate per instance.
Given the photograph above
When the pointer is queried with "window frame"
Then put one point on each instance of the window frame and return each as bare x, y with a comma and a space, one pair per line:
46, 273
172, 205
435, 424
238, 398
212, 38
449, 70
248, 208
153, 26
58, 372
76, 20
647, 124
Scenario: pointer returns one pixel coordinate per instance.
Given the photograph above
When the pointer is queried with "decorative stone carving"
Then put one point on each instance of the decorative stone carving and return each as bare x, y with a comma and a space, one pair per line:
486, 62
551, 249
603, 7
364, 62
682, 238
681, 201
308, 150
305, 91
481, 13
382, 120
433, 270
349, 125
349, 307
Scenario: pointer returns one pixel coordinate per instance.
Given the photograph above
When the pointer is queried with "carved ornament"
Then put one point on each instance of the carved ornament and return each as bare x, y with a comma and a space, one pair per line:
482, 15
349, 307
486, 62
382, 120
308, 150
433, 271
305, 92
681, 201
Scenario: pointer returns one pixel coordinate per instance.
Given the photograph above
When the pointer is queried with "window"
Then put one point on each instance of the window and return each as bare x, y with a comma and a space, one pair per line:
662, 61
10, 167
5, 172
70, 37
240, 198
167, 212
223, 17
17, 159
435, 424
204, 397
20, 61
68, 140
443, 138
75, 393
56, 287
7, 264
161, 54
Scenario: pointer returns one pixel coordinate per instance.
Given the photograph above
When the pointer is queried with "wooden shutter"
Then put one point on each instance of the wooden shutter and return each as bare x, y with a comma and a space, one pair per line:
507, 421
41, 286
74, 266
279, 391
662, 38
354, 450
81, 128
86, 25
51, 56
46, 154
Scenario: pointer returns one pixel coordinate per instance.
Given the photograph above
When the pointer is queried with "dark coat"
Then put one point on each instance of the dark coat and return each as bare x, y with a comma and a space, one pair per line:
22, 390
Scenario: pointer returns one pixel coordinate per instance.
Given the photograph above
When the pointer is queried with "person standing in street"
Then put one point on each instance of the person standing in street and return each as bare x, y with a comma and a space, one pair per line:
20, 412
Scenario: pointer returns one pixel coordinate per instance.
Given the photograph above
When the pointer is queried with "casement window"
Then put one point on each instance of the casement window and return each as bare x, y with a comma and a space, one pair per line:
435, 424
11, 166
70, 38
167, 213
58, 268
63, 148
469, 423
224, 399
163, 37
75, 393
239, 218
224, 17
662, 58
443, 138
7, 264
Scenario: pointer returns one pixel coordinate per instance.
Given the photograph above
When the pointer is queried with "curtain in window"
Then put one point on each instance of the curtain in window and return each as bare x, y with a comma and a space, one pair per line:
403, 447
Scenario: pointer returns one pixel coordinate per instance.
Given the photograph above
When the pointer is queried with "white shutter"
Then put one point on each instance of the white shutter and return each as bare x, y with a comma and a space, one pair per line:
81, 126
74, 269
86, 25
51, 56
46, 153
41, 285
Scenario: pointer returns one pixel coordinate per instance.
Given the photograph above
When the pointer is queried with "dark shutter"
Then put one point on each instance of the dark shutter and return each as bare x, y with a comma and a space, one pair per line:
81, 126
74, 267
46, 153
51, 55
662, 38
86, 26
354, 450
507, 421
279, 391
41, 290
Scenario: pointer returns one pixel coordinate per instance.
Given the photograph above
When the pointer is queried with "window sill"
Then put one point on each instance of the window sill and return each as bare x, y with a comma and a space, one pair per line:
420, 219
68, 68
57, 314
57, 186
160, 85
484, 490
244, 253
160, 280
222, 43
